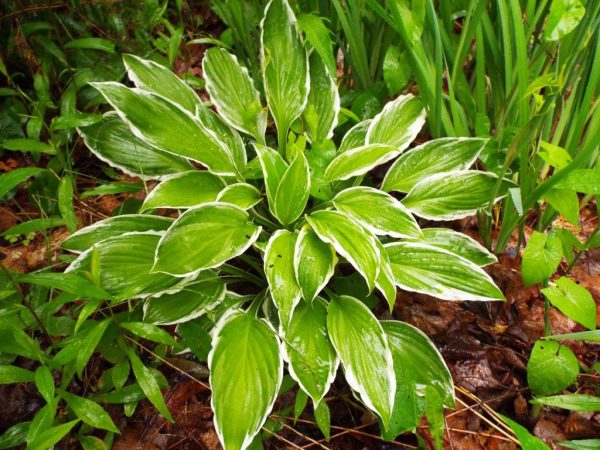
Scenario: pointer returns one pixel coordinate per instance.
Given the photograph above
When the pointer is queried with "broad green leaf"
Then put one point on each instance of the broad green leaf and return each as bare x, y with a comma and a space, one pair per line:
224, 76
566, 202
189, 303
552, 367
246, 370
92, 43
398, 123
412, 15
150, 332
14, 374
279, 269
408, 405
323, 419
273, 168
321, 39
44, 382
149, 384
319, 156
312, 360
43, 419
203, 238
47, 438
581, 444
167, 126
439, 155
377, 211
158, 79
314, 263
459, 244
90, 413
362, 346
359, 160
184, 190
571, 402
563, 18
67, 282
350, 240
453, 195
243, 195
434, 411
34, 226
433, 271
14, 436
526, 439
416, 354
385, 282
293, 191
114, 143
125, 263
112, 227
586, 181
356, 136
540, 258
573, 300
91, 443
397, 70
74, 120
65, 202
554, 155
284, 65
89, 343
15, 177
322, 108
28, 145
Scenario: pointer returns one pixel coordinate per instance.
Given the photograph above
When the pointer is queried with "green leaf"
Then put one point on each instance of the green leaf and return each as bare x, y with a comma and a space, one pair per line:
362, 346
113, 188
74, 120
526, 439
91, 443
398, 123
563, 18
92, 43
433, 271
86, 237
279, 269
460, 244
397, 69
89, 343
377, 211
203, 238
312, 360
15, 177
14, 436
34, 226
47, 438
184, 190
67, 282
224, 75
356, 136
431, 158
453, 195
408, 406
90, 413
323, 419
125, 263
434, 411
581, 444
150, 332
189, 303
65, 202
284, 65
293, 191
586, 181
572, 402
540, 258
149, 384
350, 240
573, 300
359, 160
13, 374
114, 143
319, 36
321, 112
273, 168
243, 195
167, 126
551, 368
314, 263
158, 79
554, 155
28, 145
246, 370
43, 419
44, 382
385, 282
590, 336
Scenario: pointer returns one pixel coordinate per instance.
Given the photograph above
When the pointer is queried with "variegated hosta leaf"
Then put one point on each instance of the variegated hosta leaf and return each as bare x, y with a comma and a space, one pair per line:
356, 136
359, 160
350, 240
312, 359
293, 191
273, 168
85, 238
284, 64
377, 211
362, 346
243, 195
453, 195
113, 142
314, 263
459, 244
203, 238
433, 271
246, 369
190, 302
399, 122
158, 79
439, 155
320, 114
232, 91
167, 126
184, 190
415, 352
385, 282
125, 265
279, 269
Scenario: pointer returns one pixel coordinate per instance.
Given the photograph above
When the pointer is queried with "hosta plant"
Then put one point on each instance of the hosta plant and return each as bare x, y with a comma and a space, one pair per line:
278, 242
